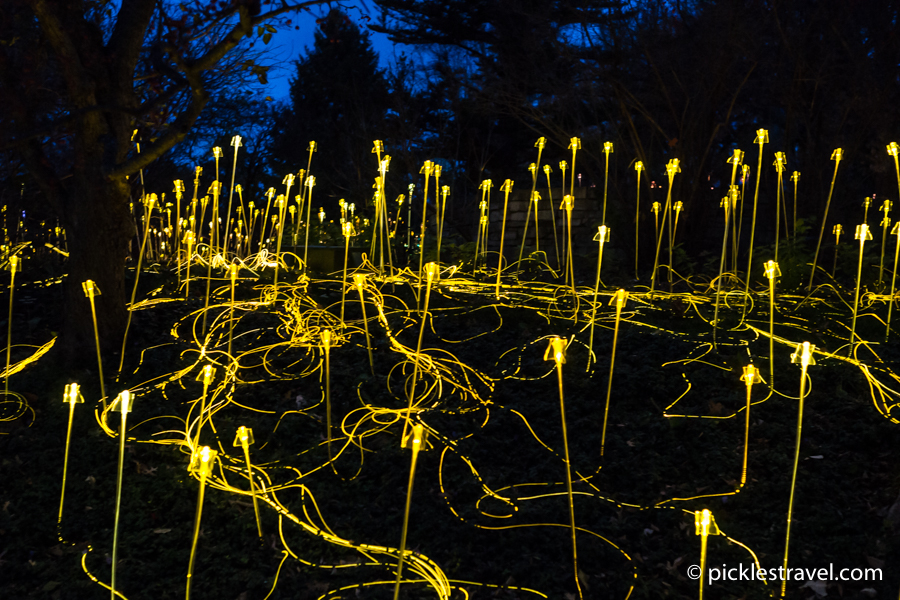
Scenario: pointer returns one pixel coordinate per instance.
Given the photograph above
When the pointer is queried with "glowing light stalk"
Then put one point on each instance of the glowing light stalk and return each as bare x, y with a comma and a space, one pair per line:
556, 351
804, 357
620, 297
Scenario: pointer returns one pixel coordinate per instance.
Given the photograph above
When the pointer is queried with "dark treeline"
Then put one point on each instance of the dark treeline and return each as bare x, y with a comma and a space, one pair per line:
661, 79
690, 80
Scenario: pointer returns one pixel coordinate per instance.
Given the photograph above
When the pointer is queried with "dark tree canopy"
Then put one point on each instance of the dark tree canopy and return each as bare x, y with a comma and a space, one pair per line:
340, 100
78, 78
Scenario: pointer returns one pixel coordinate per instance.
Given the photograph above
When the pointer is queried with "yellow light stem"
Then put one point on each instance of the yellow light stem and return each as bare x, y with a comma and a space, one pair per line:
750, 376
310, 183
232, 271
620, 297
149, 204
326, 345
601, 237
427, 170
204, 458
862, 234
431, 269
416, 446
762, 137
72, 396
506, 188
13, 263
772, 271
836, 156
803, 355
671, 169
895, 232
362, 304
728, 205
244, 438
559, 359
639, 167
123, 404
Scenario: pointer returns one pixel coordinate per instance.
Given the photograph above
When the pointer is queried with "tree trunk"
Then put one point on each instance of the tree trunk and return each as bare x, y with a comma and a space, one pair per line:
99, 227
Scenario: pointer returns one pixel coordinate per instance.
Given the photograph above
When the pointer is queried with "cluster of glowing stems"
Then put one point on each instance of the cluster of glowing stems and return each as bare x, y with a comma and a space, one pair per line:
430, 375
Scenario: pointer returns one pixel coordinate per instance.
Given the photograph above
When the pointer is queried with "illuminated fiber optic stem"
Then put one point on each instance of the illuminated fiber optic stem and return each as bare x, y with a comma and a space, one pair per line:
867, 202
574, 146
13, 265
445, 191
671, 169
607, 150
745, 175
837, 231
639, 167
863, 235
762, 138
562, 168
620, 297
568, 204
214, 230
179, 192
214, 189
244, 439
704, 526
601, 237
310, 184
427, 169
547, 171
506, 188
728, 203
415, 442
655, 208
885, 223
189, 242
202, 461
270, 193
780, 165
411, 189
836, 157
312, 148
795, 177
400, 200
532, 168
235, 143
772, 271
359, 280
232, 275
556, 351
377, 228
896, 233
804, 357
72, 396
122, 404
347, 230
386, 238
242, 212
750, 376
676, 208
484, 218
91, 290
432, 272
206, 376
326, 346
149, 203
288, 181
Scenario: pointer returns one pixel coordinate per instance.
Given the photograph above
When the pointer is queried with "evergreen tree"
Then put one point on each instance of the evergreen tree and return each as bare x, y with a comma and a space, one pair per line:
339, 99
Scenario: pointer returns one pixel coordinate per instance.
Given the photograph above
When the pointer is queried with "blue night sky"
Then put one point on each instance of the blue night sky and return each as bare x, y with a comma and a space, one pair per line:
289, 43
